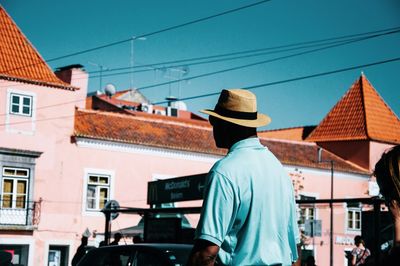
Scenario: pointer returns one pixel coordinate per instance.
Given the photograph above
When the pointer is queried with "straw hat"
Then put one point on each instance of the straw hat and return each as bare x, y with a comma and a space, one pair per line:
239, 107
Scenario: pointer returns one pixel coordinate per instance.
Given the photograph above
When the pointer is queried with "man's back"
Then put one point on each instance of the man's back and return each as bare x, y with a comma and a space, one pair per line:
253, 196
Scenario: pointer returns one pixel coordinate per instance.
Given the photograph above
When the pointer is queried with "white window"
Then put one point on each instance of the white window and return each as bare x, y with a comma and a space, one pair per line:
14, 188
307, 212
354, 219
97, 191
20, 104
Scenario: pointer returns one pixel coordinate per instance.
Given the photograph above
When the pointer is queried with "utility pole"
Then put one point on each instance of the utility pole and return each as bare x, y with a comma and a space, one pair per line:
330, 205
133, 39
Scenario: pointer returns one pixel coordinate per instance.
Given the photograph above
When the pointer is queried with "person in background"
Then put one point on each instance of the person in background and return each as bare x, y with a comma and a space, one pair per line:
80, 252
117, 238
360, 253
137, 239
249, 212
310, 261
102, 243
387, 175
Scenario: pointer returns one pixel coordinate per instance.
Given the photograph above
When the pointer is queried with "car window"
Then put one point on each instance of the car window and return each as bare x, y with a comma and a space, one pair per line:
146, 258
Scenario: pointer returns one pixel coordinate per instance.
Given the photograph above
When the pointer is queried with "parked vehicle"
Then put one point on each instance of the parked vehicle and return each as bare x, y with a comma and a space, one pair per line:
138, 255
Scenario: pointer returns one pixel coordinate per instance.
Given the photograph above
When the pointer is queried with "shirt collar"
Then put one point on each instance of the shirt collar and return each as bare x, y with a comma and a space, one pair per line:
246, 143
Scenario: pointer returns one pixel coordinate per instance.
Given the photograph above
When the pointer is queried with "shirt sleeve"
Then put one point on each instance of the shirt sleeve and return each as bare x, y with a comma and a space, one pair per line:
217, 213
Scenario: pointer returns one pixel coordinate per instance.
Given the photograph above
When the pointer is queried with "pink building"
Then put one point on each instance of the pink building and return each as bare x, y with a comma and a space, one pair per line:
63, 155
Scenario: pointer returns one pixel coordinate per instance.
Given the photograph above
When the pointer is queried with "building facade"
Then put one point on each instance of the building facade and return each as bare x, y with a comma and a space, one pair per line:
63, 155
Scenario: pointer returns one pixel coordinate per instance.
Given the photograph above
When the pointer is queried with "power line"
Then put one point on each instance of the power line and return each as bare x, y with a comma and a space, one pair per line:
251, 53
249, 65
146, 34
245, 87
342, 42
336, 43
293, 79
389, 30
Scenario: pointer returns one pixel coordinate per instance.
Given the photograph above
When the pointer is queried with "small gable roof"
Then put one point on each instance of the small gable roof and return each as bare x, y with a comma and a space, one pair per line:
19, 59
361, 114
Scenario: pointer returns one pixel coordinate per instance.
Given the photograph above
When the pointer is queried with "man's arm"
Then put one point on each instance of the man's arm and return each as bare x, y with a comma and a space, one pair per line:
203, 253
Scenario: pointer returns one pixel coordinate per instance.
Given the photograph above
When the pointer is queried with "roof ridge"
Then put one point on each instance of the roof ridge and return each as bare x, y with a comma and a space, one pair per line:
288, 141
147, 118
284, 128
369, 123
361, 79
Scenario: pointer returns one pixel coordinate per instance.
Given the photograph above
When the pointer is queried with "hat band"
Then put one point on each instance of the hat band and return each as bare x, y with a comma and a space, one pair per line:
235, 114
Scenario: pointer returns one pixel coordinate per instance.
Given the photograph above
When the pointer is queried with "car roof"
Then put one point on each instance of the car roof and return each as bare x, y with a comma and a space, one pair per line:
154, 246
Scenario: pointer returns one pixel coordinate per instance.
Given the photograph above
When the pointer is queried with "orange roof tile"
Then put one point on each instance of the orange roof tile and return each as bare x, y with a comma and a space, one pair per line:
155, 132
361, 114
295, 133
19, 59
150, 131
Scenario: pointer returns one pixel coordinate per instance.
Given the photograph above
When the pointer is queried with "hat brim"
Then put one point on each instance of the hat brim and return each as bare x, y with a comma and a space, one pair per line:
262, 120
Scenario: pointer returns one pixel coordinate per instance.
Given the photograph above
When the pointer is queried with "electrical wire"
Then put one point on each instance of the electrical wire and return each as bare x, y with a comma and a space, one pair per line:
247, 65
292, 79
336, 42
245, 87
145, 35
314, 43
384, 31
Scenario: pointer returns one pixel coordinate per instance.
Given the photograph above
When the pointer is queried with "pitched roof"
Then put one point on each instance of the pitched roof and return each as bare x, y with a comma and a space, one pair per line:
184, 135
19, 59
294, 133
150, 131
361, 114
115, 104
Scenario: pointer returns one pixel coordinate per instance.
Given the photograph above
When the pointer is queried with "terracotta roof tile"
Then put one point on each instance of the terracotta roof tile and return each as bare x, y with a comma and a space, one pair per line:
177, 135
148, 131
19, 59
361, 114
295, 133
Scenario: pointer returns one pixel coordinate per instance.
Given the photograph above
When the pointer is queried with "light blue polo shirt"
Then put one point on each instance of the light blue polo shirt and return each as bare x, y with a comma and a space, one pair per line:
249, 209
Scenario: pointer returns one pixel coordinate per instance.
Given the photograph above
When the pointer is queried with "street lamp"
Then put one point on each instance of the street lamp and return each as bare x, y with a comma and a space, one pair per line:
330, 204
133, 39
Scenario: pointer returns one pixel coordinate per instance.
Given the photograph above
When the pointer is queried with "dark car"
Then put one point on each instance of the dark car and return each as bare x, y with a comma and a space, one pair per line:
138, 255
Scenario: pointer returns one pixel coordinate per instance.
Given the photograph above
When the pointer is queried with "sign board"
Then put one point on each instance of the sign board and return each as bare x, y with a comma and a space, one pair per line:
162, 230
176, 189
312, 228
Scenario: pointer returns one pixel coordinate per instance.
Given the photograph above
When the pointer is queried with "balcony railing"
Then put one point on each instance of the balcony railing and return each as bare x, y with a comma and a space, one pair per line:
13, 213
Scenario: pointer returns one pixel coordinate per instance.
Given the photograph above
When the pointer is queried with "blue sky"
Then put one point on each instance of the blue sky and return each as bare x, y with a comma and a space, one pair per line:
58, 28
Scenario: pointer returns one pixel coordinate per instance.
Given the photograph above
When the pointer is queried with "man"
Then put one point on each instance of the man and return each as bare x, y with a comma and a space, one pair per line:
81, 251
249, 212
117, 238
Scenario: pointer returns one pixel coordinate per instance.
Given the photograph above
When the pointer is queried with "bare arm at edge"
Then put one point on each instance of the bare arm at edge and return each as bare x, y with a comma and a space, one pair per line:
203, 253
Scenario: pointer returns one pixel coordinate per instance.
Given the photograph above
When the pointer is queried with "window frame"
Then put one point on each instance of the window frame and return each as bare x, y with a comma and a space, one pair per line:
21, 104
101, 173
353, 210
98, 187
16, 178
302, 219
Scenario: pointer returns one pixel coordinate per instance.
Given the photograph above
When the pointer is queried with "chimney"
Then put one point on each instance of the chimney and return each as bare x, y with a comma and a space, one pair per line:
65, 73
